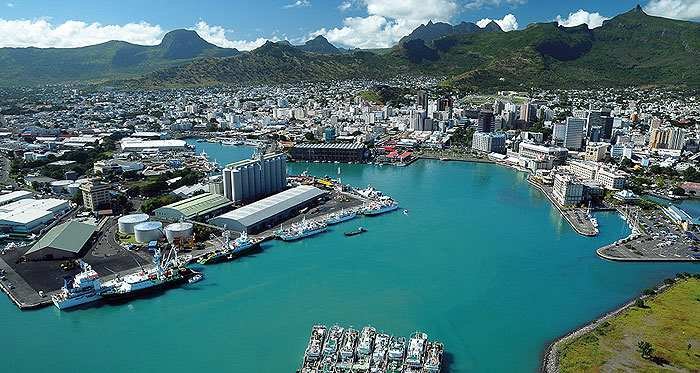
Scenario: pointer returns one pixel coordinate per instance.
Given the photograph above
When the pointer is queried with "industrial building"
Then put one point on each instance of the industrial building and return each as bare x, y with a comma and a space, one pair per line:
139, 145
268, 212
14, 196
340, 152
64, 241
200, 206
251, 179
30, 215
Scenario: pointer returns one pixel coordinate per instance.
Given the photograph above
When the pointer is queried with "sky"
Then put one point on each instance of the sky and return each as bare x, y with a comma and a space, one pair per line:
247, 24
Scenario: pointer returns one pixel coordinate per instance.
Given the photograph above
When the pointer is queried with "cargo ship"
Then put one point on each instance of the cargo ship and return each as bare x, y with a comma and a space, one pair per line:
164, 274
81, 289
230, 249
303, 229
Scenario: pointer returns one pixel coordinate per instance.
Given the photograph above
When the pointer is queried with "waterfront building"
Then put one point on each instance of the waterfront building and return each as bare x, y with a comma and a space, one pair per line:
489, 142
610, 179
486, 121
567, 190
533, 151
268, 212
583, 169
200, 206
95, 195
251, 179
330, 152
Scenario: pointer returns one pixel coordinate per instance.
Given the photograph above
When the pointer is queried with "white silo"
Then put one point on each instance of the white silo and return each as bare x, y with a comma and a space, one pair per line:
148, 231
178, 230
127, 222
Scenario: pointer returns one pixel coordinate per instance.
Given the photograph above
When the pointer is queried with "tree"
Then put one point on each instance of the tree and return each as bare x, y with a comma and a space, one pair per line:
678, 191
645, 349
639, 303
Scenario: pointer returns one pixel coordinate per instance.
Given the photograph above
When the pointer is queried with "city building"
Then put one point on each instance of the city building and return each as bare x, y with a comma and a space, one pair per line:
14, 196
251, 179
667, 138
140, 145
573, 135
95, 195
533, 151
268, 212
486, 122
567, 191
489, 142
340, 152
201, 206
596, 152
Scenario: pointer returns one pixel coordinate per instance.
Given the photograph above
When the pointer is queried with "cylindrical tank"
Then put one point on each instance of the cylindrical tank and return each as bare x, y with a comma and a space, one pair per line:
127, 222
148, 231
59, 186
178, 230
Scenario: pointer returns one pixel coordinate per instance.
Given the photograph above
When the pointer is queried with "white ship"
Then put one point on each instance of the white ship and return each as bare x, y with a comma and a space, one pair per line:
230, 249
82, 289
341, 216
315, 346
303, 229
416, 350
433, 359
380, 207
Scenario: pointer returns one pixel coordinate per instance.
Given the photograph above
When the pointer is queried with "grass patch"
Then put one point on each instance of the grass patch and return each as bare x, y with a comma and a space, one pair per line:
670, 322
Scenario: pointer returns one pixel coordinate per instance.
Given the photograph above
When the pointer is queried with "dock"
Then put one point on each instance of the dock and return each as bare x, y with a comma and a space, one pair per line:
575, 216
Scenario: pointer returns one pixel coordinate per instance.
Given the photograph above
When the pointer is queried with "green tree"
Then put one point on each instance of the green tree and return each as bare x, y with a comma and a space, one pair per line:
645, 349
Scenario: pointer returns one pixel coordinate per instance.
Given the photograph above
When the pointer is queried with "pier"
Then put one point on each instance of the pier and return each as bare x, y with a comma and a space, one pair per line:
575, 216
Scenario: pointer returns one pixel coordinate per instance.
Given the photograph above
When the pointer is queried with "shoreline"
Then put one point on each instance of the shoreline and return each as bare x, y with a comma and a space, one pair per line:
550, 357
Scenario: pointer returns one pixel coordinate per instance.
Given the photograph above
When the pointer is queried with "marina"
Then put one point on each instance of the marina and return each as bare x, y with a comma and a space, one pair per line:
348, 350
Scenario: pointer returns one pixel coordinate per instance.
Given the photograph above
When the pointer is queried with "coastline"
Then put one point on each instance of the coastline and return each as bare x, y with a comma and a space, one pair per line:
550, 358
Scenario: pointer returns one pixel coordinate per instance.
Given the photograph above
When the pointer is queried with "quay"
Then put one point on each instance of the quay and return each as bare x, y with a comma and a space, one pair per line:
576, 217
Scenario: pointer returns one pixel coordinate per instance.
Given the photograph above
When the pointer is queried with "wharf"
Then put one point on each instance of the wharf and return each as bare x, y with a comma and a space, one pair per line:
576, 217
19, 291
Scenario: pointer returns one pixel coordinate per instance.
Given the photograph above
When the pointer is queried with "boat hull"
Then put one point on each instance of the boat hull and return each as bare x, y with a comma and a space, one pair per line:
314, 232
154, 288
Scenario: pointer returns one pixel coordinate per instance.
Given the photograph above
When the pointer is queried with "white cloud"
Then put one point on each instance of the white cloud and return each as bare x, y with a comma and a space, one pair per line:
42, 33
478, 4
507, 23
10, 5
387, 21
580, 17
298, 4
345, 5
676, 9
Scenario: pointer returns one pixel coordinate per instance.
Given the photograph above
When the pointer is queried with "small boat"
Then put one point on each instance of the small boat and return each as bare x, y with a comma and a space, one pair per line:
357, 231
196, 278
405, 212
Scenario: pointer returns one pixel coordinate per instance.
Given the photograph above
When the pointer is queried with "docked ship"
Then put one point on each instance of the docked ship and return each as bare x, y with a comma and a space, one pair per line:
81, 289
165, 275
315, 346
347, 350
335, 335
230, 249
341, 216
364, 349
381, 347
433, 359
416, 350
303, 229
380, 207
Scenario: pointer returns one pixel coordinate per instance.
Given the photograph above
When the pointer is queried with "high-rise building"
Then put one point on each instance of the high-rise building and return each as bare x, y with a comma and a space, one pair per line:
667, 138
573, 137
252, 179
489, 142
608, 123
528, 112
96, 195
422, 99
486, 121
445, 104
567, 190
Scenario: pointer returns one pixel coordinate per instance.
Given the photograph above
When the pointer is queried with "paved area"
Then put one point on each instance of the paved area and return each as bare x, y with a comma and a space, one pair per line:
576, 216
655, 238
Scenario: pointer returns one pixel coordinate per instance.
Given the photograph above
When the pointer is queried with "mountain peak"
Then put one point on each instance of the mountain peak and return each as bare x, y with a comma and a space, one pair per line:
181, 44
319, 44
492, 26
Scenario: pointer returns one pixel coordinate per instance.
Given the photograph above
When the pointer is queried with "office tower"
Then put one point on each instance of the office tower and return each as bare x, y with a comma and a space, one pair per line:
422, 99
486, 121
573, 137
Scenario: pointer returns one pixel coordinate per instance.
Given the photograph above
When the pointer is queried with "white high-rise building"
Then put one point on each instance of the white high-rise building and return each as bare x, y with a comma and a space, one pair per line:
252, 179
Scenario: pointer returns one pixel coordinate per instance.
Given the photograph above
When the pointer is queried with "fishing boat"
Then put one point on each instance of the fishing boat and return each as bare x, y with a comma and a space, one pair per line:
379, 355
341, 216
397, 348
303, 229
380, 207
433, 359
315, 346
196, 278
416, 350
357, 231
230, 249
81, 289
347, 351
335, 335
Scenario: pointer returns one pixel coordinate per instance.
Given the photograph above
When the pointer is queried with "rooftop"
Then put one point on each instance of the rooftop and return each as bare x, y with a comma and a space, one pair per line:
69, 236
198, 205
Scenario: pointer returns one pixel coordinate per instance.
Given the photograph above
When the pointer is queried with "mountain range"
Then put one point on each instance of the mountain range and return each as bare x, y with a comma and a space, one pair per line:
631, 49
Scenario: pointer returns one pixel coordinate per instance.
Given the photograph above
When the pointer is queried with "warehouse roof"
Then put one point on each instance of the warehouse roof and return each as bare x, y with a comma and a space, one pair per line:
273, 205
69, 236
24, 216
198, 205
14, 196
49, 204
331, 146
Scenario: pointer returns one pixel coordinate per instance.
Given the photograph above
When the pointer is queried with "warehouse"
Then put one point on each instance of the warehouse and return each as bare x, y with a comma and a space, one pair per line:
54, 205
268, 212
200, 206
138, 145
64, 241
330, 152
14, 196
30, 215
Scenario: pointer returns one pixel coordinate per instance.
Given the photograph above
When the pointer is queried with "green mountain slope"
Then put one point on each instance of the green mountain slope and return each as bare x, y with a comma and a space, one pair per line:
110, 60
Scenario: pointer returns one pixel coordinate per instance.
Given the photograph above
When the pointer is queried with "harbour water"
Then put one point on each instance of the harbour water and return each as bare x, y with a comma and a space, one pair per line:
481, 262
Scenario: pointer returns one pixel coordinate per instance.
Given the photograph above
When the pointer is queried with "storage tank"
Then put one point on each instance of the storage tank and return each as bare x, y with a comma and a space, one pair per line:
178, 230
148, 231
59, 186
127, 222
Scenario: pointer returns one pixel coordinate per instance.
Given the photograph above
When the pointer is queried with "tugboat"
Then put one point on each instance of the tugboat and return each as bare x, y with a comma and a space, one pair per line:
357, 231
82, 289
380, 207
303, 229
340, 217
230, 250
160, 277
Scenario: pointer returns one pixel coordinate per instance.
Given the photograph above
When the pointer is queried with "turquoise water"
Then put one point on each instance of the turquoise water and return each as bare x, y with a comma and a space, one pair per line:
481, 262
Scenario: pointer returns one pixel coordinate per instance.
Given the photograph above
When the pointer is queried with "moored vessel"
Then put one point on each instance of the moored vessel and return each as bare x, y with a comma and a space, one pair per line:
303, 229
380, 207
341, 216
81, 289
230, 249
